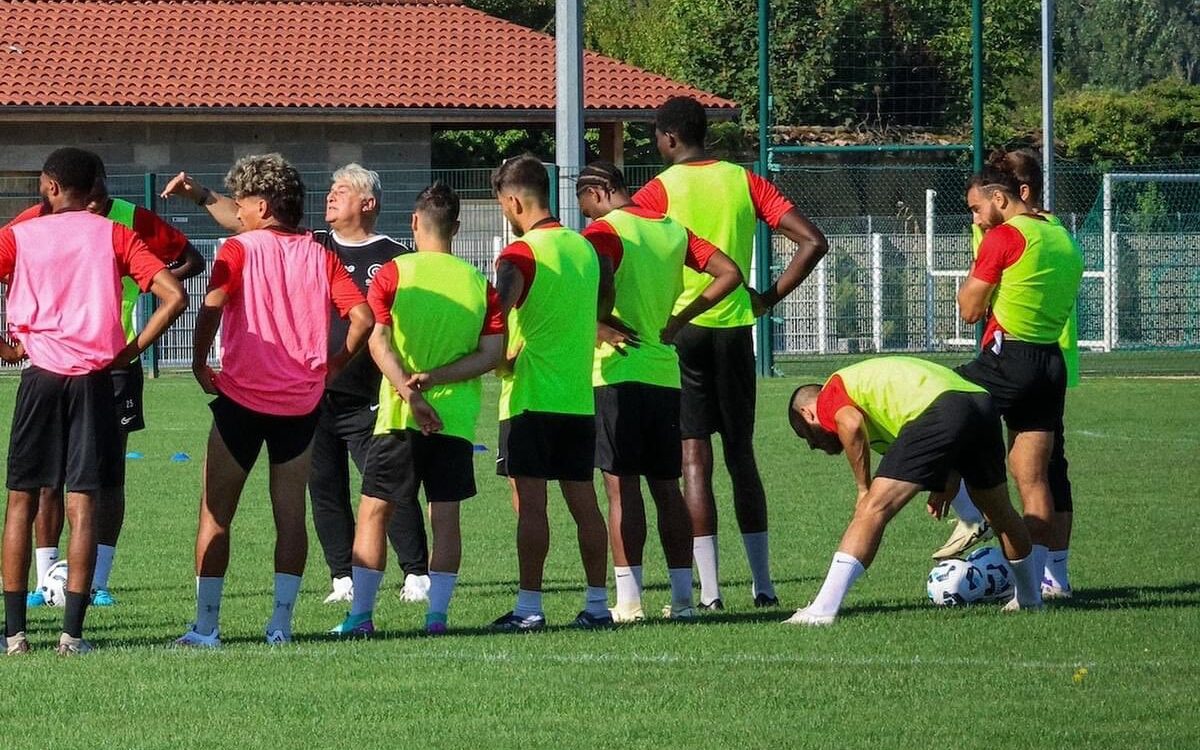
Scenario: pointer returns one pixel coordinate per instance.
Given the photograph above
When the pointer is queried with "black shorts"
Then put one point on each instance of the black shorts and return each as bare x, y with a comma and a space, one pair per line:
64, 430
958, 432
545, 445
1028, 383
716, 366
128, 385
400, 463
244, 431
637, 431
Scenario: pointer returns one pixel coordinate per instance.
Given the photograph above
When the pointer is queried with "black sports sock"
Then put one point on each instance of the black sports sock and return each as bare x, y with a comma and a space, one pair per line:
14, 612
73, 617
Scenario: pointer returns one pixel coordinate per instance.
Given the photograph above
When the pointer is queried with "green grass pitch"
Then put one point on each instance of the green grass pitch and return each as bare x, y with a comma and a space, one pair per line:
894, 672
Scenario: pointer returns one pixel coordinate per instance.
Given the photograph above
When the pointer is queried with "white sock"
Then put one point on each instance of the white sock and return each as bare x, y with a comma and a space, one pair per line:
629, 584
45, 556
366, 589
208, 603
528, 603
681, 587
760, 566
287, 588
964, 508
704, 552
441, 588
595, 601
843, 572
104, 563
1056, 569
1028, 572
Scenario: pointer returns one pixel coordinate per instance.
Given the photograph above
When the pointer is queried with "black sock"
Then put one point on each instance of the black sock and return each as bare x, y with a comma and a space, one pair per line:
73, 617
14, 612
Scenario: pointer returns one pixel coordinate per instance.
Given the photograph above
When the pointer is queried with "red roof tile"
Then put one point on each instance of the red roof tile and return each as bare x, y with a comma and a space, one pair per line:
397, 54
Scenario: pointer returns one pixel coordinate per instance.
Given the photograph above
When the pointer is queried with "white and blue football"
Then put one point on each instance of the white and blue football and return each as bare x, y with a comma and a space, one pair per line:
997, 572
953, 583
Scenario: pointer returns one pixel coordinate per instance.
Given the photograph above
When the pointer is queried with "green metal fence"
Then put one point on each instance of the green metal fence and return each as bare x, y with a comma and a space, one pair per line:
899, 247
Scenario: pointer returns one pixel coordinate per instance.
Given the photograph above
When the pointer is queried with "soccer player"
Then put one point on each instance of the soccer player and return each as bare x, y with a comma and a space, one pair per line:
1024, 280
64, 272
931, 426
637, 380
438, 327
721, 202
270, 294
346, 420
183, 261
1024, 166
551, 288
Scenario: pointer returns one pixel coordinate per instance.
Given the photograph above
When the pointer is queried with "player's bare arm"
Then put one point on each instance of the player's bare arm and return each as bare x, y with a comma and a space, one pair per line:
222, 208
208, 320
11, 353
606, 293
811, 246
726, 277
361, 319
172, 301
386, 358
486, 357
190, 264
974, 296
510, 285
852, 432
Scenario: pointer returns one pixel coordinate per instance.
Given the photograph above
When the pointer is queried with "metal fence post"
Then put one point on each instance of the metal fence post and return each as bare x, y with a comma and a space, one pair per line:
1107, 259
552, 173
930, 195
761, 271
877, 291
147, 302
822, 317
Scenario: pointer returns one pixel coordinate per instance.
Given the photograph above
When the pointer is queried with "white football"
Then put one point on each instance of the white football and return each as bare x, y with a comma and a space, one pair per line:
954, 582
997, 573
54, 585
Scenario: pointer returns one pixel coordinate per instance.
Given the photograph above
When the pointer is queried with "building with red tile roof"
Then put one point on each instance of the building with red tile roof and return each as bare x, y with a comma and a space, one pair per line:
157, 85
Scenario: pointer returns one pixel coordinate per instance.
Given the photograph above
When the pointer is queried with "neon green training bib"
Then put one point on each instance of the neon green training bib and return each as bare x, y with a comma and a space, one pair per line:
555, 328
893, 391
121, 212
713, 200
437, 316
647, 284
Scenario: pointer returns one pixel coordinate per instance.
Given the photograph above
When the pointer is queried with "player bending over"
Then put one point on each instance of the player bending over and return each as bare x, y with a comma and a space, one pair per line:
270, 294
438, 327
931, 426
636, 378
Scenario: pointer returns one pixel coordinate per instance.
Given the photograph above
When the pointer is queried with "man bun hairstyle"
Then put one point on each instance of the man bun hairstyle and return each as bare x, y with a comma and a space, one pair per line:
272, 178
684, 118
1024, 166
524, 173
990, 179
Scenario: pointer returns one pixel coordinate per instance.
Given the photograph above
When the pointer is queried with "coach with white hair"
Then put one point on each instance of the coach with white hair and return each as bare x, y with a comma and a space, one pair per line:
348, 408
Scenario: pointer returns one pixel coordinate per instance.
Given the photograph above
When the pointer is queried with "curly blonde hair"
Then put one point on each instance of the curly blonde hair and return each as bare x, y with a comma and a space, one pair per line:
272, 178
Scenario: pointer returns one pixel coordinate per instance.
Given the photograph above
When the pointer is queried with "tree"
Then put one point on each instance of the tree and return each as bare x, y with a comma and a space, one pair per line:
535, 14
1126, 44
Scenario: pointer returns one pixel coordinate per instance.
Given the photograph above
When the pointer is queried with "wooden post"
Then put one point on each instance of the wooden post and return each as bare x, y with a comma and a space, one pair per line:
612, 142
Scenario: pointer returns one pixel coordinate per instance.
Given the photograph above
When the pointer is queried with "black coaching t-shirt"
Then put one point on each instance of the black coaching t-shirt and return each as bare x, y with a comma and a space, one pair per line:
362, 259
